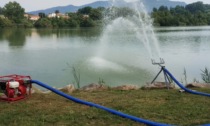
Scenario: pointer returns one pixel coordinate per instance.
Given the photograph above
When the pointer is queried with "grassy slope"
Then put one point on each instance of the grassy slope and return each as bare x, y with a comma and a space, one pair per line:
166, 106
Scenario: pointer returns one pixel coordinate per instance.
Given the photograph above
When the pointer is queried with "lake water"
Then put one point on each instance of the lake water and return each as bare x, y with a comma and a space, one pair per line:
48, 55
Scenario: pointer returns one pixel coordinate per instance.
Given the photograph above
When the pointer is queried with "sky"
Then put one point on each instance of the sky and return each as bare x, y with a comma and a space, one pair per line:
32, 5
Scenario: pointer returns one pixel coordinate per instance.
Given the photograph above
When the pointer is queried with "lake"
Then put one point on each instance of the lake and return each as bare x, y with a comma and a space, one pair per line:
117, 58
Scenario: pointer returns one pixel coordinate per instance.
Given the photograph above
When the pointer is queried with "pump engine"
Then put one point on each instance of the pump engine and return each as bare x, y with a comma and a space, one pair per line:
15, 87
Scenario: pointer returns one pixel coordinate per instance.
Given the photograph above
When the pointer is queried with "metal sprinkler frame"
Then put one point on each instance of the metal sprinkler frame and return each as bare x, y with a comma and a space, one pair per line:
166, 77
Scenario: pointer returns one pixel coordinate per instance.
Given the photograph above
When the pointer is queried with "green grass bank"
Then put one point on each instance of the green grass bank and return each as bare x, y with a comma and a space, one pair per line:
165, 106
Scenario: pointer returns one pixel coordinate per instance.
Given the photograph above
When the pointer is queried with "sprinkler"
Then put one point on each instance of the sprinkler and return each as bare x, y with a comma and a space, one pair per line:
160, 63
15, 87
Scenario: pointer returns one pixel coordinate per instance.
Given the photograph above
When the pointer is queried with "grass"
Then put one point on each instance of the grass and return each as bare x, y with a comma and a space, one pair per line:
165, 106
205, 75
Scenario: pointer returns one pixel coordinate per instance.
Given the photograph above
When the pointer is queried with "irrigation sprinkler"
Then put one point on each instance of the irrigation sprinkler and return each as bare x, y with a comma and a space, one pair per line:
166, 77
158, 63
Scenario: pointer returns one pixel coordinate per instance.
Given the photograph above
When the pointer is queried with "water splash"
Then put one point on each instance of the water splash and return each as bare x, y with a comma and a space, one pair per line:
139, 24
103, 64
145, 33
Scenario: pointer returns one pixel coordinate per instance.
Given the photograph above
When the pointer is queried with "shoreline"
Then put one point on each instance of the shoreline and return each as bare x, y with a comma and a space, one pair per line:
102, 87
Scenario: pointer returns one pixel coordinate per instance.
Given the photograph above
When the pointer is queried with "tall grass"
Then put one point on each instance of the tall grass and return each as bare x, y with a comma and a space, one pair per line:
76, 75
101, 81
205, 75
185, 76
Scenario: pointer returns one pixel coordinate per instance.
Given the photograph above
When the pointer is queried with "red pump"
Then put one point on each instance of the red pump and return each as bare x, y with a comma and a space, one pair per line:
15, 87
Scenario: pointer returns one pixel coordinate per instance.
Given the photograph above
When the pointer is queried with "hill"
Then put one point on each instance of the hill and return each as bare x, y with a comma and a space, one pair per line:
149, 4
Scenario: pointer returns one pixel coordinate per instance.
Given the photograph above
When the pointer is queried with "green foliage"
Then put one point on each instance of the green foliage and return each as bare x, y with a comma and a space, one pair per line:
205, 75
71, 23
85, 10
1, 10
42, 15
96, 14
165, 106
163, 8
61, 23
101, 81
14, 12
194, 14
87, 22
85, 17
76, 75
27, 24
43, 23
196, 7
54, 22
4, 22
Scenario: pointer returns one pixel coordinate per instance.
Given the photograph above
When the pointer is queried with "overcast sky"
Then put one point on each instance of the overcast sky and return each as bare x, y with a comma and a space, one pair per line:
31, 5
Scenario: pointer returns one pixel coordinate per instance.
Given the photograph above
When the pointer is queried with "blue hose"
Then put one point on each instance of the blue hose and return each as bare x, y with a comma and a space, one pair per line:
147, 122
182, 87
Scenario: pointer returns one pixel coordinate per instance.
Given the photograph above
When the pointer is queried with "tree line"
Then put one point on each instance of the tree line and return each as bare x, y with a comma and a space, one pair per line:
195, 14
12, 15
84, 17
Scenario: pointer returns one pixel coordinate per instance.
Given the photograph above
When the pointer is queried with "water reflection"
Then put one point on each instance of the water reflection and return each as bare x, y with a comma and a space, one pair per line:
15, 37
77, 32
180, 29
189, 40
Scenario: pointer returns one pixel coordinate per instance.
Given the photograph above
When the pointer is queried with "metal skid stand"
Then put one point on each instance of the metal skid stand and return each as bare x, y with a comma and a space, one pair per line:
166, 77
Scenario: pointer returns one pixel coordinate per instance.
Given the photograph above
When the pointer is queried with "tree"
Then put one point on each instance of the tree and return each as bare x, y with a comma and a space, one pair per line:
71, 23
1, 10
87, 22
194, 14
42, 15
154, 9
73, 15
163, 8
85, 10
57, 12
13, 11
195, 7
43, 23
74, 19
96, 14
4, 22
